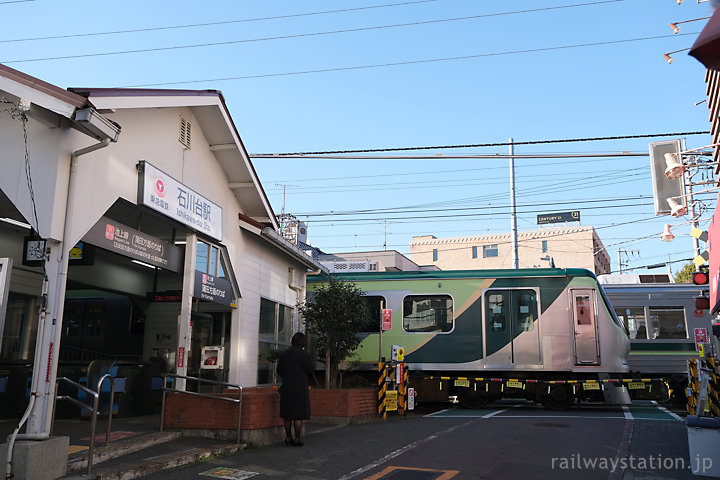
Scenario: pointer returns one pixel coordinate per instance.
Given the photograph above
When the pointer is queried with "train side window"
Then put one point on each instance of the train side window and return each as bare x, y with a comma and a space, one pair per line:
584, 312
668, 322
374, 304
427, 313
95, 313
525, 310
634, 318
496, 314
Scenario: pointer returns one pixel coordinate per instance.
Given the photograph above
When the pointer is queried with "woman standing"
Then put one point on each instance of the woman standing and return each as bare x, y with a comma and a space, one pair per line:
294, 366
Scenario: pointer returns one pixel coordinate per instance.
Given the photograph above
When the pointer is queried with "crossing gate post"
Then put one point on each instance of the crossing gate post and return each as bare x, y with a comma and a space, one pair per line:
693, 390
402, 387
382, 388
713, 387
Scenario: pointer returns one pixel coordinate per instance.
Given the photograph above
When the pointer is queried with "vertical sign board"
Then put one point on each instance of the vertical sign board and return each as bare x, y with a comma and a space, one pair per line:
162, 193
5, 267
664, 188
386, 319
701, 336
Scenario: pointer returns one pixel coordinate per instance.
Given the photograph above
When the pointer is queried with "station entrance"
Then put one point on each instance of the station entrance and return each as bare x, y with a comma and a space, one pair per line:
121, 313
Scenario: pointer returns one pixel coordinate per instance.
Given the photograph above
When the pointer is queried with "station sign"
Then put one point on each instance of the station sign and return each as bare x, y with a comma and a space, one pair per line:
119, 238
162, 193
213, 289
560, 217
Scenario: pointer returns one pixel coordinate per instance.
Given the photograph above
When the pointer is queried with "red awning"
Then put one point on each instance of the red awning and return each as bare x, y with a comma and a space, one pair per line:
707, 46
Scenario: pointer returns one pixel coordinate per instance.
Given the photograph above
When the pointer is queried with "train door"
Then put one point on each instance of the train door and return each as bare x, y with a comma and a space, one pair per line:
511, 327
585, 327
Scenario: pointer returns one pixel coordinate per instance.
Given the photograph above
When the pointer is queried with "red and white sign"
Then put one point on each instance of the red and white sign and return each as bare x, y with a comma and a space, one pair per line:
387, 319
181, 357
400, 373
701, 336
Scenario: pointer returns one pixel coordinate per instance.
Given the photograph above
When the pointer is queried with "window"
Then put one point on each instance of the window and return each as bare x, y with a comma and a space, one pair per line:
275, 330
435, 254
667, 322
516, 306
490, 250
544, 246
474, 252
634, 318
428, 313
374, 304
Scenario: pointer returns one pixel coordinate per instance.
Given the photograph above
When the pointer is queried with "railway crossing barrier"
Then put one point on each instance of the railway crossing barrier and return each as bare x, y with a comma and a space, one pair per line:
393, 388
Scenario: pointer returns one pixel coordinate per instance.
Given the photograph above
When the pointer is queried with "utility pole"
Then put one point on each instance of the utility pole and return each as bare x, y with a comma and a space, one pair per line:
513, 216
691, 205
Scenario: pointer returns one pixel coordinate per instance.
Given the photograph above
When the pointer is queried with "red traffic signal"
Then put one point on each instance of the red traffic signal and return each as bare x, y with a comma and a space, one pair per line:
700, 278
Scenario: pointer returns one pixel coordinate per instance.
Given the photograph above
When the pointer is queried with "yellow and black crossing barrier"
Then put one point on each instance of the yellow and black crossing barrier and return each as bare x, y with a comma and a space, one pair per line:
713, 387
382, 388
693, 392
392, 388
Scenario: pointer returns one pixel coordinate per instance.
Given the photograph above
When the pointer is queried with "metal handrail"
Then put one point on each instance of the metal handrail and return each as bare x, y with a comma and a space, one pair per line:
205, 380
93, 409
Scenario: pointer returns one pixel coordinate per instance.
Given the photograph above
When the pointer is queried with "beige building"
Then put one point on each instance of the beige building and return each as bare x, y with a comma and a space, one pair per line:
566, 247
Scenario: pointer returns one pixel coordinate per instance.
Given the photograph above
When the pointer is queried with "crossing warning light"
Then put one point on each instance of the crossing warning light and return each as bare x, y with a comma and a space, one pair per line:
700, 278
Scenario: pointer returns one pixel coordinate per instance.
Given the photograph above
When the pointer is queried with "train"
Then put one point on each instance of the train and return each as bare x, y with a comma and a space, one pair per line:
663, 321
549, 335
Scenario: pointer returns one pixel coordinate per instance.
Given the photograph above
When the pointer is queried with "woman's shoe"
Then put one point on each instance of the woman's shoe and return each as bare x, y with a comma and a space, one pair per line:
289, 442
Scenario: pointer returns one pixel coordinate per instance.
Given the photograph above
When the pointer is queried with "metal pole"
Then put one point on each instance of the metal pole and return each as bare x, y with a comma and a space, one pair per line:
513, 216
619, 261
691, 207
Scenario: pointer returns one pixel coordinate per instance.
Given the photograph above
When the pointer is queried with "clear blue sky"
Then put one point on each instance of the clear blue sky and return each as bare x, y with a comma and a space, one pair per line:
388, 74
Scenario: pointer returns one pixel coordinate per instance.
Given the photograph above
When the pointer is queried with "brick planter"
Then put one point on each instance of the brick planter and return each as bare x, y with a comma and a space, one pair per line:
260, 416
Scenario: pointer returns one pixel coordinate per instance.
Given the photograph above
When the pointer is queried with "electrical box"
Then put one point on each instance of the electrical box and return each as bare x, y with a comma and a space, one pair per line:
397, 353
212, 357
5, 267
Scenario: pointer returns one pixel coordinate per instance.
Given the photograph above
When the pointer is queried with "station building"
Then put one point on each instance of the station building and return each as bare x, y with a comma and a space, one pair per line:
134, 236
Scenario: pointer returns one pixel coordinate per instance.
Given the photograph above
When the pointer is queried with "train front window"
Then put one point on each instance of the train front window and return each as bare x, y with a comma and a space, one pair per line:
634, 318
668, 322
428, 313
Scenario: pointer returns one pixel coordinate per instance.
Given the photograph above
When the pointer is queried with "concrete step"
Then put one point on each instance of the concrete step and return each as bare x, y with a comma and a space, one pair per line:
77, 461
148, 454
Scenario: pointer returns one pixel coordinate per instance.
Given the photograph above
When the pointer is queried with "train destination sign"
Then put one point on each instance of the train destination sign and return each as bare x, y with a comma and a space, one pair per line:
119, 238
558, 217
166, 195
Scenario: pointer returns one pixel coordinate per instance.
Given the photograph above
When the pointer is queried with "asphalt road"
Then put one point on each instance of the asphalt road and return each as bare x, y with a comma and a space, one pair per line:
505, 441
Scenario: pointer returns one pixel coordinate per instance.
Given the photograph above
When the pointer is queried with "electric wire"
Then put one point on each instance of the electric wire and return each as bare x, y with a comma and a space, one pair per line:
206, 24
313, 34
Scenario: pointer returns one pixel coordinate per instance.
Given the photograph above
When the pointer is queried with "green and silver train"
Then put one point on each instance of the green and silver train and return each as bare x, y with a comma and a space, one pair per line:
540, 334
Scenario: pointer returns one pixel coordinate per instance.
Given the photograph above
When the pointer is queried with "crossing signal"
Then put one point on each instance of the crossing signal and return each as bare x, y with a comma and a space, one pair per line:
700, 278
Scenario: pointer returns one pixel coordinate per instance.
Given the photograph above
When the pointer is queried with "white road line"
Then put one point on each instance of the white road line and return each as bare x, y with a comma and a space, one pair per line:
399, 452
439, 412
490, 415
627, 413
674, 415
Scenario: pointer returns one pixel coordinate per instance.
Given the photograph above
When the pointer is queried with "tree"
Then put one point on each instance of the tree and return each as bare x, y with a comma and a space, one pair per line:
684, 275
334, 315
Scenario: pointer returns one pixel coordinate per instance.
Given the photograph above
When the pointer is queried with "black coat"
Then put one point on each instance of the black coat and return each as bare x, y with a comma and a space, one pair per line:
294, 366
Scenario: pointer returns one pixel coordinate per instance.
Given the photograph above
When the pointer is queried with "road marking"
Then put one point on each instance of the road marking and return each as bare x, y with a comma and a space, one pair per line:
627, 413
674, 415
400, 451
490, 415
445, 474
